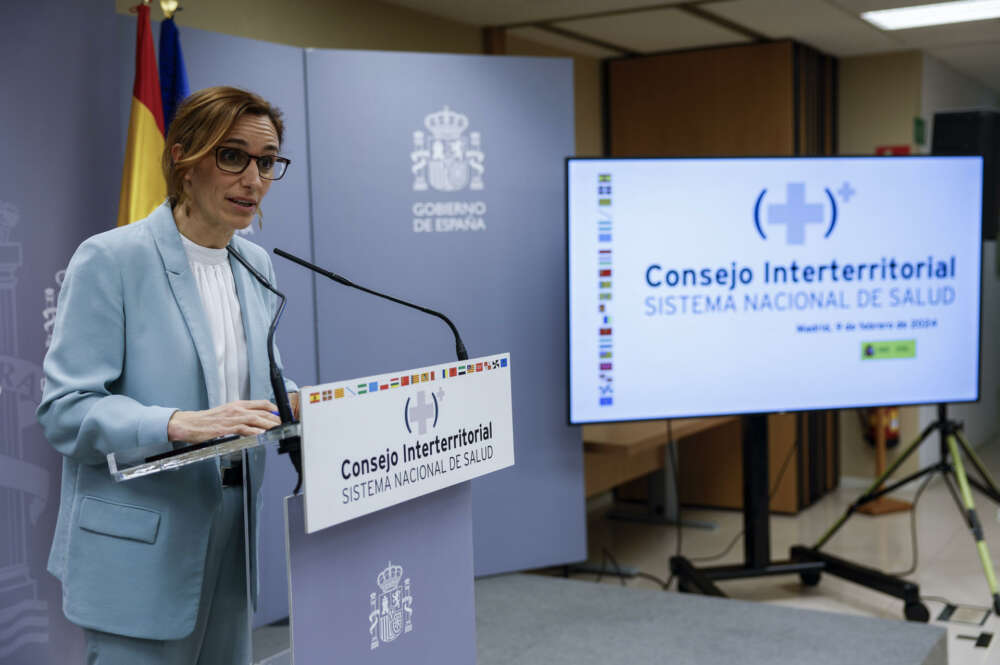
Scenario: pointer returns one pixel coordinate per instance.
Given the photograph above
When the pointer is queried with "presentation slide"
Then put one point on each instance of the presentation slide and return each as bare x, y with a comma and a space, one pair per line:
720, 286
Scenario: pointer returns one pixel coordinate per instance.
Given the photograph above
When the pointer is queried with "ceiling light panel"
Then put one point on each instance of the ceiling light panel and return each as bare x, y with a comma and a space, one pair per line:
952, 34
858, 6
654, 31
941, 13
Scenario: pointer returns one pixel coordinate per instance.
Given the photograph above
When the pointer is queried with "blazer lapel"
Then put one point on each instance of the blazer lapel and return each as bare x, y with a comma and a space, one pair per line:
185, 290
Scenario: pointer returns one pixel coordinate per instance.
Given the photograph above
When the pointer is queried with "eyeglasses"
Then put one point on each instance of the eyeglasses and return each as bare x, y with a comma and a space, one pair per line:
234, 160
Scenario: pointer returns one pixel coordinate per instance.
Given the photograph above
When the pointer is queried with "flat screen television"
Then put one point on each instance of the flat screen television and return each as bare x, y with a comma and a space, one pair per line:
715, 286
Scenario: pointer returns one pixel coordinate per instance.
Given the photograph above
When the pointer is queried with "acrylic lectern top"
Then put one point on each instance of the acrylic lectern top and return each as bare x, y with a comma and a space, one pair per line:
146, 460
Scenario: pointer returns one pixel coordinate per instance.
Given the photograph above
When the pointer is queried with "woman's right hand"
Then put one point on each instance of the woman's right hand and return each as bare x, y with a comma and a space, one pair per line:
243, 417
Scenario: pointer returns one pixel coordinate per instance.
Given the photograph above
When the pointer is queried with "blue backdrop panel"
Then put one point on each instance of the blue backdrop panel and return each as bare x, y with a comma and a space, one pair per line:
438, 178
62, 166
275, 72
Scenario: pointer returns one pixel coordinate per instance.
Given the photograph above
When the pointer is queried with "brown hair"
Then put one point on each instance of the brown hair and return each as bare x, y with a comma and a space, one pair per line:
202, 120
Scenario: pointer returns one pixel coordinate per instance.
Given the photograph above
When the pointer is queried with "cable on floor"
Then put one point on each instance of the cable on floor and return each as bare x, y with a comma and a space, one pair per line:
913, 530
607, 556
614, 562
916, 553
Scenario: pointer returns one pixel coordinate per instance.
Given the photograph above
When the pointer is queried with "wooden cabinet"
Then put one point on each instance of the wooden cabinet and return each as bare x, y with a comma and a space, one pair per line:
711, 463
775, 98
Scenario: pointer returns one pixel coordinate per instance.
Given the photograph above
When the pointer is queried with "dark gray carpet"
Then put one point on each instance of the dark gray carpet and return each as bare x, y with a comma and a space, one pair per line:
535, 620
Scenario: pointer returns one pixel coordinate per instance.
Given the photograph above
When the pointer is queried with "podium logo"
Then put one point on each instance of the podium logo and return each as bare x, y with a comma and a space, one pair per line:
798, 212
391, 607
447, 159
421, 411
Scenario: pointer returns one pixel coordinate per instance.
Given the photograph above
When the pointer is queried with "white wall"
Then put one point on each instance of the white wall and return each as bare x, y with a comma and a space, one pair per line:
879, 97
944, 89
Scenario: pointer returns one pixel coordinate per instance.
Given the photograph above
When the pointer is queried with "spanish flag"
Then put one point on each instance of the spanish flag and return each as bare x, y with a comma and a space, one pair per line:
143, 187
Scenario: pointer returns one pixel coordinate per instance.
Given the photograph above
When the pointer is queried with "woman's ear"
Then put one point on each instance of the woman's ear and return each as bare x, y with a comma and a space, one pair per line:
176, 153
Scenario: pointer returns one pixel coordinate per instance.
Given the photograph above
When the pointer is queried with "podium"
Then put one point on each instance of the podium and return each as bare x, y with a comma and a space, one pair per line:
379, 544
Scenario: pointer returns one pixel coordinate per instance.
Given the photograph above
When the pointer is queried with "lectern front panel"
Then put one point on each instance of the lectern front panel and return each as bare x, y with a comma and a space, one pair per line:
392, 587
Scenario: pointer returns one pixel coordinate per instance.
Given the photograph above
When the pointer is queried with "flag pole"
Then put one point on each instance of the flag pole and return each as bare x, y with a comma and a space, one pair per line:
170, 7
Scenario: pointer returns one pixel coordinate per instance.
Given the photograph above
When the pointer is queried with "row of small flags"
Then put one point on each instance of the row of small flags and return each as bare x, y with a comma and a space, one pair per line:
406, 380
604, 268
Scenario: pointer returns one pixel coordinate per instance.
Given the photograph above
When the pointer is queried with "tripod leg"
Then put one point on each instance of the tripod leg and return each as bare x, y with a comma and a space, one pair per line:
984, 490
973, 518
954, 493
980, 467
874, 488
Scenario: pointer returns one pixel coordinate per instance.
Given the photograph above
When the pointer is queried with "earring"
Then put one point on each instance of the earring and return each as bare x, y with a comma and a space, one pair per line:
260, 219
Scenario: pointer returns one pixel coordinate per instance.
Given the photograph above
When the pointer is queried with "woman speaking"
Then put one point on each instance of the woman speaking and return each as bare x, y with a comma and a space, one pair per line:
160, 336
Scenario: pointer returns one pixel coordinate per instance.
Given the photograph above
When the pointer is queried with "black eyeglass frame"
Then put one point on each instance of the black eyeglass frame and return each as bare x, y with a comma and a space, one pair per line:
256, 158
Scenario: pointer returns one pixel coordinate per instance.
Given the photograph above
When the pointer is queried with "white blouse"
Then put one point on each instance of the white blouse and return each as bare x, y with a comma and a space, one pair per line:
214, 277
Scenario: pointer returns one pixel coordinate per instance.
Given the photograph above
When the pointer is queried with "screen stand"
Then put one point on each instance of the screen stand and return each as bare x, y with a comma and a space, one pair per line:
756, 523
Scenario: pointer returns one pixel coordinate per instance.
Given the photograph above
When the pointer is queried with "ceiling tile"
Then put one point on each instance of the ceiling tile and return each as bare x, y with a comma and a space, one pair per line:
540, 36
831, 26
823, 26
507, 12
655, 30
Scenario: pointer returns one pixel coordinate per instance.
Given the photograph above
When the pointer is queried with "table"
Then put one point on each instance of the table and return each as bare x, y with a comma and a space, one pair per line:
619, 452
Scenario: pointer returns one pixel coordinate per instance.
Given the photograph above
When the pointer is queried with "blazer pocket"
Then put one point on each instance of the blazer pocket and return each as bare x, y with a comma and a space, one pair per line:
119, 520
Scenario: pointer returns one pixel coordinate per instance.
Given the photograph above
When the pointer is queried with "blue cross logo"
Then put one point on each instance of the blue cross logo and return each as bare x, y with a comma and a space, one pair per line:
795, 213
422, 412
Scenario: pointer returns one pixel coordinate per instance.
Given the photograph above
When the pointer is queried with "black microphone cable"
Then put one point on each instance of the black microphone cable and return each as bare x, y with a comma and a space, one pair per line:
459, 344
290, 445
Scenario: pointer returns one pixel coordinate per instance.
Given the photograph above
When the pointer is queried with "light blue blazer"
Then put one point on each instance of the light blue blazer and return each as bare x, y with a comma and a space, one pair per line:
131, 345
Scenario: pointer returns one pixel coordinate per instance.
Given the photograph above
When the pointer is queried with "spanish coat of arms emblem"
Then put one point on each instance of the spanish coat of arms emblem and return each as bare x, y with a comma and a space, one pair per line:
447, 159
391, 607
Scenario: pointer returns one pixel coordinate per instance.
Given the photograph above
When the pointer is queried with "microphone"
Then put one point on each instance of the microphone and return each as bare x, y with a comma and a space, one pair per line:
291, 445
459, 345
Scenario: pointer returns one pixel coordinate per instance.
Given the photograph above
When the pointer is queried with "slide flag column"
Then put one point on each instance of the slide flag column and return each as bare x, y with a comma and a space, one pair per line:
604, 229
143, 187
